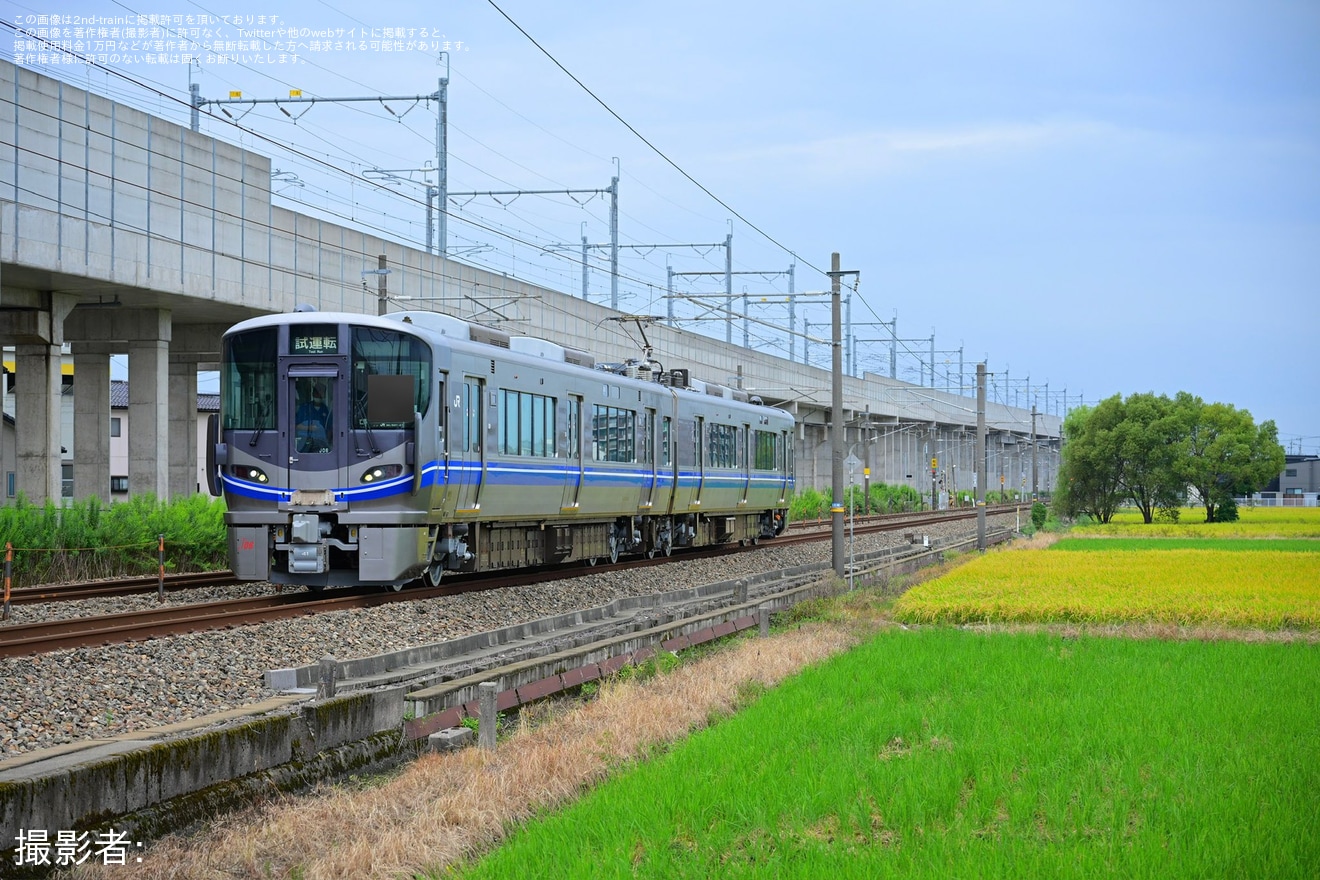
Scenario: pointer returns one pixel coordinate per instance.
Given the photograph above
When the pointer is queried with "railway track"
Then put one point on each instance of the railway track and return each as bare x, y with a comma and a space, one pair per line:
75, 632
119, 587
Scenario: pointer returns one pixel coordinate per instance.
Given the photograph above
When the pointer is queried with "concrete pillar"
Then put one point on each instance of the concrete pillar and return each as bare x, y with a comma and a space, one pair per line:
148, 409
487, 693
91, 422
34, 324
37, 422
183, 426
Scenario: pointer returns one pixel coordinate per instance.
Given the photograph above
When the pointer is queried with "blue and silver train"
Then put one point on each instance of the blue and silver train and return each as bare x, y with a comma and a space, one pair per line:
353, 449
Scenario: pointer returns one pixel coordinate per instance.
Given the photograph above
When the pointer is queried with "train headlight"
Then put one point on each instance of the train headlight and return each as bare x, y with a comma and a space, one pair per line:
381, 472
247, 472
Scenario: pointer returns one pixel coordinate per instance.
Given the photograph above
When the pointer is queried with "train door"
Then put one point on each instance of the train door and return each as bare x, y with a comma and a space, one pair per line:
700, 429
648, 459
669, 461
467, 448
441, 493
745, 459
573, 471
314, 435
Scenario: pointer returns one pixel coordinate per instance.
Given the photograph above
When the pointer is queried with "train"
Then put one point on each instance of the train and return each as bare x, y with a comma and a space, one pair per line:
383, 450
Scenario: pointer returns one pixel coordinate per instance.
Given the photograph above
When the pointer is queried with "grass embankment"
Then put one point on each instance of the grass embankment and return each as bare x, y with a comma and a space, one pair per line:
944, 753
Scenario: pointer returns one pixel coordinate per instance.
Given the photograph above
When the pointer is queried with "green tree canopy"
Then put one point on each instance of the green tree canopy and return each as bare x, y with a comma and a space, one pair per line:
1091, 472
1149, 450
1223, 452
1147, 441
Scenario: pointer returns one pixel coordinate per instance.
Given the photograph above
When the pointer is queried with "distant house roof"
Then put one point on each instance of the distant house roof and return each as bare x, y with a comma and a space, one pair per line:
119, 398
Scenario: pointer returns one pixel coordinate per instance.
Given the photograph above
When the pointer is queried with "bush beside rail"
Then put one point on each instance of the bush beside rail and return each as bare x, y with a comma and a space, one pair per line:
92, 539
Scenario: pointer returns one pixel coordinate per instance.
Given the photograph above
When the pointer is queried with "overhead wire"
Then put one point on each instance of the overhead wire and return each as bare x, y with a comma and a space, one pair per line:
489, 225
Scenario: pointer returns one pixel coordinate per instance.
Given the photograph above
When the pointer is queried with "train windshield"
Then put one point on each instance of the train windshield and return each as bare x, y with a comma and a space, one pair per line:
247, 380
313, 429
391, 378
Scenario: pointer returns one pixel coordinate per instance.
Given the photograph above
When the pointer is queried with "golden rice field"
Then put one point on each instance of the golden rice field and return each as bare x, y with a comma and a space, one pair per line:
1245, 588
1253, 522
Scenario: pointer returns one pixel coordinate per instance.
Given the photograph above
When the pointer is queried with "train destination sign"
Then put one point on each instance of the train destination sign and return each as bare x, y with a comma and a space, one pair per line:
314, 340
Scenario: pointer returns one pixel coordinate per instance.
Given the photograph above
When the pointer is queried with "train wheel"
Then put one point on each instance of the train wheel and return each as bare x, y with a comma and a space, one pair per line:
433, 574
394, 588
590, 560
614, 548
666, 546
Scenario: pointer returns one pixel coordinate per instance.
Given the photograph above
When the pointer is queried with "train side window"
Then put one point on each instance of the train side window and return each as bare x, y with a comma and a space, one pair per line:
723, 443
614, 434
527, 424
689, 446
766, 452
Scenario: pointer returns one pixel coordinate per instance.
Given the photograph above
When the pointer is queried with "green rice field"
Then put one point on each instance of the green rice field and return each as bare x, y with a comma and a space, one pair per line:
938, 752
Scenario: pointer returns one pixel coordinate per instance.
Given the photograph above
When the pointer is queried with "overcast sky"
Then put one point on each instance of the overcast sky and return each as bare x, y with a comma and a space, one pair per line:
1112, 197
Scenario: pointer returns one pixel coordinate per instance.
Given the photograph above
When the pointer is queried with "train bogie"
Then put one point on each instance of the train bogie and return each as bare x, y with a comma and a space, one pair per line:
377, 450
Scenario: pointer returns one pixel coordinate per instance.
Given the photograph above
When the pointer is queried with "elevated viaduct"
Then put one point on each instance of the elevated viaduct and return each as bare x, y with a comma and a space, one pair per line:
123, 233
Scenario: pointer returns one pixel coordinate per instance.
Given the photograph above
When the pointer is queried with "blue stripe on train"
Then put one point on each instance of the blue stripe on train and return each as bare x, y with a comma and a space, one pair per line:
506, 474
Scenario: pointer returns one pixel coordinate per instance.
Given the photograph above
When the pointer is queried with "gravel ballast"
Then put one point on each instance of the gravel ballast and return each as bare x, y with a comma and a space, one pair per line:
86, 693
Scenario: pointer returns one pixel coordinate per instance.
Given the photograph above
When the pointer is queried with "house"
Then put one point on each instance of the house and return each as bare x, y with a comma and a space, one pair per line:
118, 439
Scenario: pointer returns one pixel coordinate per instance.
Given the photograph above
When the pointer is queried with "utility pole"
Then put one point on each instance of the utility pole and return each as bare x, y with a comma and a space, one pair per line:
728, 286
614, 241
837, 434
383, 273
1033, 452
836, 417
893, 347
981, 465
442, 163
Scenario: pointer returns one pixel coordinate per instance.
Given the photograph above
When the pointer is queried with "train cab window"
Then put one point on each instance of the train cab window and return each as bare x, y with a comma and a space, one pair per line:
247, 380
313, 420
380, 402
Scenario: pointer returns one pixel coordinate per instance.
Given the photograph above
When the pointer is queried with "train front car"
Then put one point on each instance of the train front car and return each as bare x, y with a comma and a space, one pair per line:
322, 446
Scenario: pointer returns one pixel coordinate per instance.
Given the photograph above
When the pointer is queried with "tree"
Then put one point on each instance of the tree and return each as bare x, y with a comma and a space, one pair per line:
1224, 453
1091, 471
1148, 438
